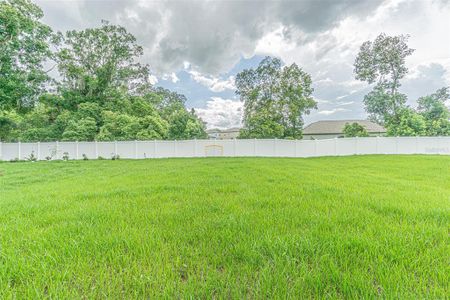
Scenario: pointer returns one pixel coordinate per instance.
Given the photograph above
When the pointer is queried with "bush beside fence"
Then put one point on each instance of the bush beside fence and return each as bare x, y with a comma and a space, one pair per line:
205, 148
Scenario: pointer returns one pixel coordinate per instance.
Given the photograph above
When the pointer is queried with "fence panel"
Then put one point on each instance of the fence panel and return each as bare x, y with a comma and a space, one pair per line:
444, 146
435, 145
387, 145
326, 147
368, 145
347, 146
266, 147
10, 151
285, 148
69, 149
126, 149
228, 147
252, 147
87, 149
246, 148
165, 149
28, 149
306, 148
145, 149
105, 149
407, 145
185, 148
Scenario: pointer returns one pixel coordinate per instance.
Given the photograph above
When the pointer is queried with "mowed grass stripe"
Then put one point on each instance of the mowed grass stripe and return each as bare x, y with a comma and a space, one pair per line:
361, 226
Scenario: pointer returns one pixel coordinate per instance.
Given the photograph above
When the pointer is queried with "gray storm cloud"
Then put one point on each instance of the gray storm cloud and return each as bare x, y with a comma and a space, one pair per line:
212, 35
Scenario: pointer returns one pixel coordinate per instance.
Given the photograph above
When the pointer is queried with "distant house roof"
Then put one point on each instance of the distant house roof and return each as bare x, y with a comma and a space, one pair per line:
337, 126
213, 130
216, 130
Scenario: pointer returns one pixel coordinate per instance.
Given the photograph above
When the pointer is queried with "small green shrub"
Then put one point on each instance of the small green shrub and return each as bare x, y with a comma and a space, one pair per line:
65, 156
31, 157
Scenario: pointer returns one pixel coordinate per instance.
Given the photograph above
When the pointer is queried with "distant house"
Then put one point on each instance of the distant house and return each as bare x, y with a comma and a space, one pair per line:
225, 134
334, 128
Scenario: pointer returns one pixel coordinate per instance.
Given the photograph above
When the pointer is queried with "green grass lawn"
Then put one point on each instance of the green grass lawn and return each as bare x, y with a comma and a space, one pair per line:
362, 226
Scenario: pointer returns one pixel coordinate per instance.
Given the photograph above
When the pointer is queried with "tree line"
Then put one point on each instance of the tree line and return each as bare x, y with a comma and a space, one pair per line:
102, 91
276, 98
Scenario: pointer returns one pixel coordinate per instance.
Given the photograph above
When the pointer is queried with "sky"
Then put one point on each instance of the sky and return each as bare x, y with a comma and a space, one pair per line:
196, 48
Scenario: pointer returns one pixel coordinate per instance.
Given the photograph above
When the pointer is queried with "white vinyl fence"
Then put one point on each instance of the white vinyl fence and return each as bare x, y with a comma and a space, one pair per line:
204, 148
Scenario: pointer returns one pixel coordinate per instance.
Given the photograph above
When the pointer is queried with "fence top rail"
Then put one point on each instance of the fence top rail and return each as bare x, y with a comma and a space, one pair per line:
225, 140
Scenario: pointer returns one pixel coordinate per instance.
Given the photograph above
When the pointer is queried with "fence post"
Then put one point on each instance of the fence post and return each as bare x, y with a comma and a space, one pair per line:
175, 148
335, 146
254, 147
377, 138
396, 145
195, 147
135, 149
356, 145
154, 148
19, 150
1, 150
57, 149
274, 147
38, 151
234, 146
96, 149
295, 149
115, 148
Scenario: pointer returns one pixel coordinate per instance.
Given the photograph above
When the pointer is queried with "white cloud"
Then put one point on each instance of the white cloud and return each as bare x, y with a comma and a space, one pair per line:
221, 113
332, 111
345, 103
273, 41
172, 77
153, 79
212, 83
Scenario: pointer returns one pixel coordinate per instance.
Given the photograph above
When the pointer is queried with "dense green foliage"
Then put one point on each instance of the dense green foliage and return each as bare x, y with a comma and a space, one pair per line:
103, 92
275, 100
354, 130
240, 228
435, 113
383, 62
24, 47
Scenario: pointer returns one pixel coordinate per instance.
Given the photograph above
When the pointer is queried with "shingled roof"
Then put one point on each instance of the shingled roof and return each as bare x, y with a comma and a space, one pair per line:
337, 126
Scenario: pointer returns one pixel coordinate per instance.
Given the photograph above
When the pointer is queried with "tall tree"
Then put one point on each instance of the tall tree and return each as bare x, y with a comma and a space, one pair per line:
100, 64
275, 99
383, 62
24, 47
